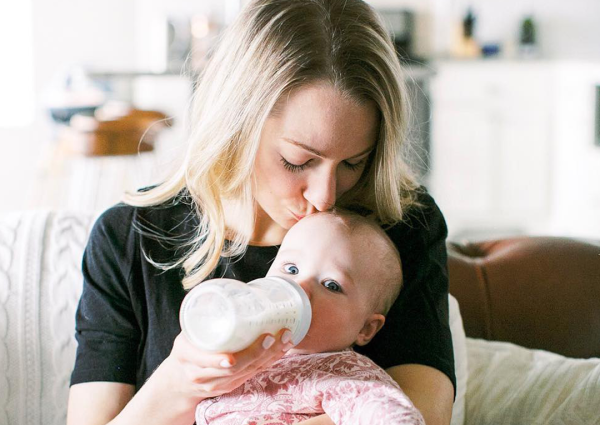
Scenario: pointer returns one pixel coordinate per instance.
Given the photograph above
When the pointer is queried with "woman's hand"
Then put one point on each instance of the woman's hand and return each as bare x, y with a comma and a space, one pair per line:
183, 379
198, 374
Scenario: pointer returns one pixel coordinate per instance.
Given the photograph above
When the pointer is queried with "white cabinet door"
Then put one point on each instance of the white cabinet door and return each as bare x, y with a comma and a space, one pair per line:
524, 181
462, 170
491, 145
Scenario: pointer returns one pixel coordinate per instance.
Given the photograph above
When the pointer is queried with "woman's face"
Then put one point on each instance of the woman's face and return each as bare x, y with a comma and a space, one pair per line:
313, 150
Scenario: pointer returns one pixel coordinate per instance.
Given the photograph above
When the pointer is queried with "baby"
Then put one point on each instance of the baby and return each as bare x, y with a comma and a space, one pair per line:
351, 273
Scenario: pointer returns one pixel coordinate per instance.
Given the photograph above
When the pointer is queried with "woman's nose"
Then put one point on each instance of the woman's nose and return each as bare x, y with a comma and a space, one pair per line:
321, 190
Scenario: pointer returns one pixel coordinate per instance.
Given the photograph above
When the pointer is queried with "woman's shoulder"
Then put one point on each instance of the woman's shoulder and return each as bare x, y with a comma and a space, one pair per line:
124, 235
423, 220
174, 217
122, 221
113, 224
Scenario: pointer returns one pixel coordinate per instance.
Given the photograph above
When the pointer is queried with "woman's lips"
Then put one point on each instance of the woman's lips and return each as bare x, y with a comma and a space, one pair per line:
298, 217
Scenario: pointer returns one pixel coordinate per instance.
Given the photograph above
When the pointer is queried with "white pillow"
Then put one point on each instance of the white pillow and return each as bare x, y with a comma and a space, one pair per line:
459, 340
509, 384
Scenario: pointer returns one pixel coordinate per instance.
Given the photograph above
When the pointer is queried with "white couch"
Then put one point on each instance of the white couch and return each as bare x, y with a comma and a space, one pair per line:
40, 283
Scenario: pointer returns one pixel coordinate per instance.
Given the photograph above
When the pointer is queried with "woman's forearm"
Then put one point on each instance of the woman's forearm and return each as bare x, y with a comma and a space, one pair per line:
102, 403
159, 402
188, 376
148, 409
429, 389
97, 403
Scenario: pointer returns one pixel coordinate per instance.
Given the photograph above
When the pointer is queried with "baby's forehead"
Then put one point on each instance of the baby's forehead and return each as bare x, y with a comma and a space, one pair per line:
346, 224
324, 226
322, 219
358, 231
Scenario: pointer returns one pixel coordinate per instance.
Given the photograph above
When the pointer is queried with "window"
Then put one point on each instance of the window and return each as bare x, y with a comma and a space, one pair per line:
16, 64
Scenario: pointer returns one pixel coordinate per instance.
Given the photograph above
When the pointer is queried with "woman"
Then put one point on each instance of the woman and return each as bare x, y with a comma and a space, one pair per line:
301, 107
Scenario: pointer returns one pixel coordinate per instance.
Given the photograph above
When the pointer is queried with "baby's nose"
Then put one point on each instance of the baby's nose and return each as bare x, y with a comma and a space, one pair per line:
306, 284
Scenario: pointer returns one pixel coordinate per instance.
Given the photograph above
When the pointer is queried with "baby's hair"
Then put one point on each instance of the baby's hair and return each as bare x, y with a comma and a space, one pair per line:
387, 289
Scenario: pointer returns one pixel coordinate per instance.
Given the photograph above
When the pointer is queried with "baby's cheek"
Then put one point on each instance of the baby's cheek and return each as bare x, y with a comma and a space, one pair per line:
322, 328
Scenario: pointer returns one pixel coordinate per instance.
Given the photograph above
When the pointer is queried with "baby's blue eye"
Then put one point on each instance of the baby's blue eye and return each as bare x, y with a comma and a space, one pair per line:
290, 268
332, 285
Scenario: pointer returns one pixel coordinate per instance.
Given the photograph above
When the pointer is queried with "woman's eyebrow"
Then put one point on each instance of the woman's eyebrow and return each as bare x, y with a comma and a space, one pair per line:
321, 154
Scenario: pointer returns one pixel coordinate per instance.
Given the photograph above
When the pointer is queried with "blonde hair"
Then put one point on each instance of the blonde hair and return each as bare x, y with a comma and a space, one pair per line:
273, 47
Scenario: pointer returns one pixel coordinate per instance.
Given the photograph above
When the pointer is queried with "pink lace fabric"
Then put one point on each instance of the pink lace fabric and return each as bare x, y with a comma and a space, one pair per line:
345, 385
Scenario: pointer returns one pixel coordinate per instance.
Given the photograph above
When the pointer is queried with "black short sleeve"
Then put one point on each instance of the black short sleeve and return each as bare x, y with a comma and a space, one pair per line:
417, 327
107, 330
127, 317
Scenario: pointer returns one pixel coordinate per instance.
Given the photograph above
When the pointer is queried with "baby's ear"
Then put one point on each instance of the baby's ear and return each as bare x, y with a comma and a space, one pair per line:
372, 325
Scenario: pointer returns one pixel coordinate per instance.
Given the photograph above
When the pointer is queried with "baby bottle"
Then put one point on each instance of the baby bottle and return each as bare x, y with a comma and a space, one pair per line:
226, 315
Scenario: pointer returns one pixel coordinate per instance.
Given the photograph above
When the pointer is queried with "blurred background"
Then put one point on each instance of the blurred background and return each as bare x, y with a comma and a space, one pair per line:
505, 129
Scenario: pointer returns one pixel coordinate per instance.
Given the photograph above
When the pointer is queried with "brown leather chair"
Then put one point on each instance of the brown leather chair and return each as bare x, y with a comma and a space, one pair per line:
537, 292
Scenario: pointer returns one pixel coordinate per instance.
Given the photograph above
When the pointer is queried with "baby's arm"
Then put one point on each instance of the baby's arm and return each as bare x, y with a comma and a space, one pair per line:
359, 392
369, 403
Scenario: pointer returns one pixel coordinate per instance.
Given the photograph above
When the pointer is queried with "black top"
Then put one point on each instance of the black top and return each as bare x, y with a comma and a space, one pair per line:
128, 315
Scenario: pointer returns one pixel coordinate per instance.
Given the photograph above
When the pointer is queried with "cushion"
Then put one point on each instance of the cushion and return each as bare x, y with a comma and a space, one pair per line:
40, 284
509, 384
459, 341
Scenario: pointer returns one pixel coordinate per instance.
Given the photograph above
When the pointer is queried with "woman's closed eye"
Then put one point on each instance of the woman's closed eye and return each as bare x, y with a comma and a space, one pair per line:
296, 168
332, 285
356, 165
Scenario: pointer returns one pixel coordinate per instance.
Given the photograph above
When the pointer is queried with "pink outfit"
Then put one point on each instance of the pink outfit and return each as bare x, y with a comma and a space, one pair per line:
347, 386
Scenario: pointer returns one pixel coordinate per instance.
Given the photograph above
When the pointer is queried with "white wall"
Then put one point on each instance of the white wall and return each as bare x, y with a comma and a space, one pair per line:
113, 35
65, 32
576, 200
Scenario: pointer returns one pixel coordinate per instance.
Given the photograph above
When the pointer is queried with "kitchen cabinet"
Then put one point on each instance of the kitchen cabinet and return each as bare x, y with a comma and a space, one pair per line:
491, 145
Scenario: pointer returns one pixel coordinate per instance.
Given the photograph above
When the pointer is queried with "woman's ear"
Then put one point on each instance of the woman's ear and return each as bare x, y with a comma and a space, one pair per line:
372, 325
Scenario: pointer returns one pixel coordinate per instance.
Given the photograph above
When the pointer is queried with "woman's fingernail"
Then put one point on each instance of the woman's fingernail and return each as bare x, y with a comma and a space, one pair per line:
286, 337
287, 347
226, 363
268, 342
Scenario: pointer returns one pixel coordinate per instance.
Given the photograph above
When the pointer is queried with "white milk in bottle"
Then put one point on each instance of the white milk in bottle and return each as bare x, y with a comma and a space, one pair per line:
226, 315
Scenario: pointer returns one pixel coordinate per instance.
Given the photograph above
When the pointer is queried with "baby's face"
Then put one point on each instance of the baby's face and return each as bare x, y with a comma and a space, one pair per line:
336, 271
